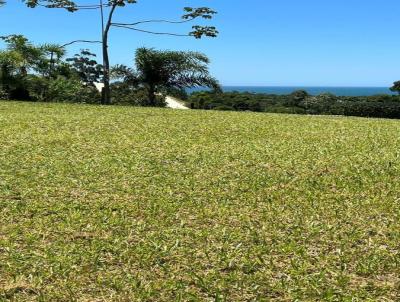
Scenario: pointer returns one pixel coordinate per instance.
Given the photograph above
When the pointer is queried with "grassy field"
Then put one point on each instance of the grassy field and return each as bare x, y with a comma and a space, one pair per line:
132, 204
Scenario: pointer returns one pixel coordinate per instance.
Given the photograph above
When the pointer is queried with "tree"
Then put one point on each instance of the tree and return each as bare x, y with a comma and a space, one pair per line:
296, 98
86, 67
16, 61
10, 61
54, 53
159, 71
396, 87
107, 10
29, 54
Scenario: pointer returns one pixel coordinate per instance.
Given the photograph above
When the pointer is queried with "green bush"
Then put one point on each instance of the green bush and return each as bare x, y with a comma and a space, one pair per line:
4, 95
37, 87
123, 94
71, 91
296, 98
287, 110
224, 108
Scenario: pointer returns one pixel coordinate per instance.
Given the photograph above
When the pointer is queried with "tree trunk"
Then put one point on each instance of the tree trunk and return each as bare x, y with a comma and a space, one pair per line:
106, 92
152, 95
51, 64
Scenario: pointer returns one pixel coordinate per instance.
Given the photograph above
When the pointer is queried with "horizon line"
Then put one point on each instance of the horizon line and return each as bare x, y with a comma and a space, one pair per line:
307, 86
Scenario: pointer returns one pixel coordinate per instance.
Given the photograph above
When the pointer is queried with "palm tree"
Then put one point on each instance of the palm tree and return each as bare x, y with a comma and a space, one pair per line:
159, 71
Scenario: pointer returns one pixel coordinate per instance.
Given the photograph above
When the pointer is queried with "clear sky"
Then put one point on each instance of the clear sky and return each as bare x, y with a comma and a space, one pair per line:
261, 42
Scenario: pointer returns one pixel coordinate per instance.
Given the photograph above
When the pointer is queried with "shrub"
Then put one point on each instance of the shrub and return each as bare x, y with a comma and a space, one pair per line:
123, 94
37, 87
296, 98
4, 95
224, 108
287, 110
71, 91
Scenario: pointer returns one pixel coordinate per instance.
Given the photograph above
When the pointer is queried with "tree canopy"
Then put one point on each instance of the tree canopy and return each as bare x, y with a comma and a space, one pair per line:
396, 87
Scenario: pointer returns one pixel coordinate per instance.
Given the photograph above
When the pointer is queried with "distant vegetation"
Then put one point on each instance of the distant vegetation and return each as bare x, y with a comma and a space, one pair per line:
42, 73
299, 102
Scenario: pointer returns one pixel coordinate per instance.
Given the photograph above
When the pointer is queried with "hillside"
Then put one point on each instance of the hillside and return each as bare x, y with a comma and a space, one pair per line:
134, 204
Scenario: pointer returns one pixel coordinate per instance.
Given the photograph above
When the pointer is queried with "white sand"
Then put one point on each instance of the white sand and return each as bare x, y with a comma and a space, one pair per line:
174, 103
99, 86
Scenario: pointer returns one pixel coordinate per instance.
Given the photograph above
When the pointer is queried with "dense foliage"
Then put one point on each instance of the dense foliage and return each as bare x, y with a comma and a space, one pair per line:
41, 73
385, 106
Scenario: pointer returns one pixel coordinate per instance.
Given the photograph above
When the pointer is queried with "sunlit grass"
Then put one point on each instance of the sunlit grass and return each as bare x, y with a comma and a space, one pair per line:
132, 204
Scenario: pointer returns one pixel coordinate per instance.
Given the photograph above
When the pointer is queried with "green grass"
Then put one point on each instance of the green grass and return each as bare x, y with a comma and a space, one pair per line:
132, 204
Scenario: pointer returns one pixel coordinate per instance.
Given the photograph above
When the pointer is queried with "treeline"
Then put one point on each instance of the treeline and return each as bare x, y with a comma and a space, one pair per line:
43, 73
31, 72
299, 102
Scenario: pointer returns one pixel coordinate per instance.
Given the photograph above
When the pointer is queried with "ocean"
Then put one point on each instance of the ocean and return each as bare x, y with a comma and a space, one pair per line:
339, 91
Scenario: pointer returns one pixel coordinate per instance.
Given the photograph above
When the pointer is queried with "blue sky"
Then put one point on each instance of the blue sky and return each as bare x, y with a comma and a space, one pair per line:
261, 42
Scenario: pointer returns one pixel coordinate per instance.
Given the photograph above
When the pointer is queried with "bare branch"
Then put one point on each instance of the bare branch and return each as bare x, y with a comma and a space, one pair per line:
151, 32
80, 41
154, 21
